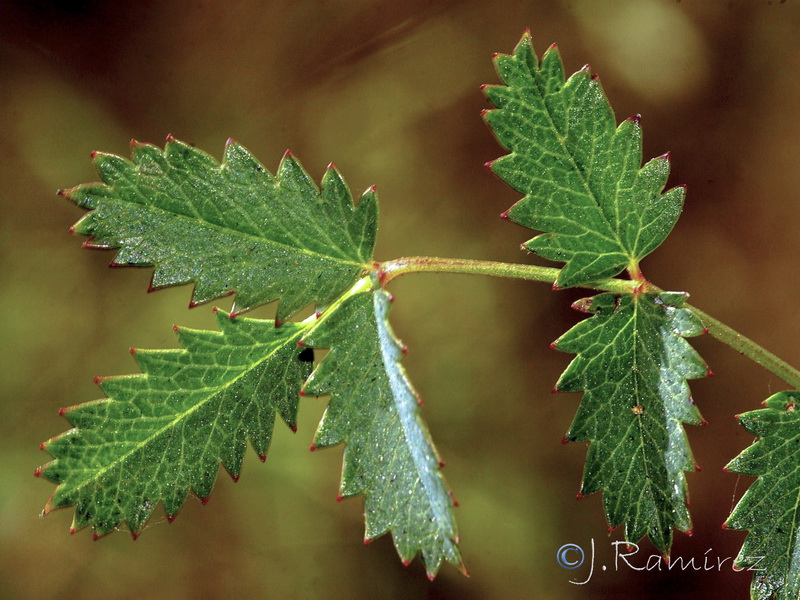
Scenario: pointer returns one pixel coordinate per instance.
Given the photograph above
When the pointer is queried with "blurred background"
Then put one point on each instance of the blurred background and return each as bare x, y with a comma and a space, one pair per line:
389, 91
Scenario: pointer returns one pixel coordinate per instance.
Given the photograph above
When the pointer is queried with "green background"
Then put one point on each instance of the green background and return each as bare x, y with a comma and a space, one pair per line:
389, 91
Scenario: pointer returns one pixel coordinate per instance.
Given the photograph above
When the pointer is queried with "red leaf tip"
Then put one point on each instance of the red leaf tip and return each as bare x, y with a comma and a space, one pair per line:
205, 500
61, 411
312, 448
293, 428
287, 154
579, 496
93, 155
406, 562
135, 535
665, 156
565, 440
485, 111
42, 446
72, 530
724, 469
331, 166
37, 472
488, 165
234, 477
495, 55
302, 392
703, 423
169, 138
504, 215
132, 350
483, 86
339, 498
724, 526
705, 330
689, 532
300, 343
171, 518
263, 457
553, 46
709, 373
95, 536
367, 541
697, 468
636, 119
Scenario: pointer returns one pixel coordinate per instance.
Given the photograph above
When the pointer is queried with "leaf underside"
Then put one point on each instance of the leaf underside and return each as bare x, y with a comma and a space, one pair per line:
770, 509
388, 456
584, 186
166, 431
230, 227
633, 364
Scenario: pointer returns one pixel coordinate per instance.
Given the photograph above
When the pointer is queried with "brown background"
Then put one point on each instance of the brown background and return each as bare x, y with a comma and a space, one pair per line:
390, 92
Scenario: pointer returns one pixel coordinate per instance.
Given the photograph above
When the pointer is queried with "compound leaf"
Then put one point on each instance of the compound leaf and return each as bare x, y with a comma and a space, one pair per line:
584, 186
165, 431
388, 455
230, 227
633, 364
770, 509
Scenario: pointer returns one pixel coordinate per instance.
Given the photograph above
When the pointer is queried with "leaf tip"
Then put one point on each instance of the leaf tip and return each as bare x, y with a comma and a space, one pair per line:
171, 518
666, 156
72, 530
565, 440
43, 446
442, 464
262, 457
339, 498
300, 343
579, 496
705, 330
725, 526
95, 536
709, 373
132, 350
135, 535
635, 119
504, 215
724, 469
235, 478
204, 500
454, 500
697, 468
93, 154
37, 472
610, 530
703, 423
331, 166
689, 532
312, 447
170, 138
488, 164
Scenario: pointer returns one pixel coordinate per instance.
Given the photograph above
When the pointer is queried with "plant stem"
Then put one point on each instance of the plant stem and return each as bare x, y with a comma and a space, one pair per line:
429, 264
748, 348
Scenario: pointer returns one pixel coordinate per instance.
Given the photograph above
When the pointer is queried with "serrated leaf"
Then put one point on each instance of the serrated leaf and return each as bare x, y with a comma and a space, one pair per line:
770, 509
388, 456
600, 210
230, 227
166, 431
633, 364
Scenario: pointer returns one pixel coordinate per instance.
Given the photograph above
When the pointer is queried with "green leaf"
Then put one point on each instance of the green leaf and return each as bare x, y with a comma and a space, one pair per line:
164, 431
633, 365
770, 509
584, 186
230, 227
389, 456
